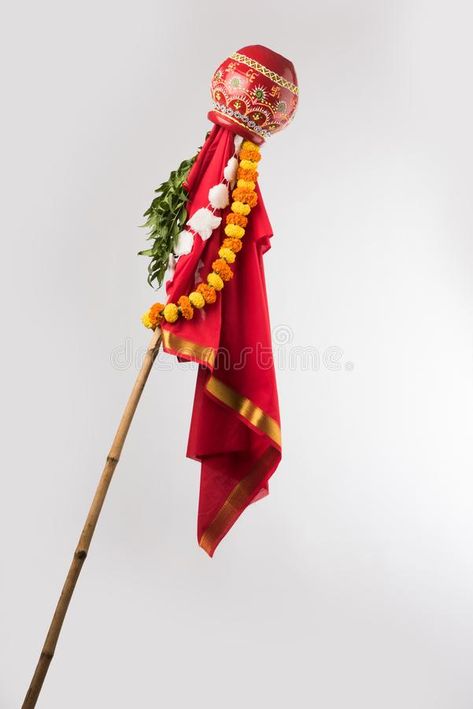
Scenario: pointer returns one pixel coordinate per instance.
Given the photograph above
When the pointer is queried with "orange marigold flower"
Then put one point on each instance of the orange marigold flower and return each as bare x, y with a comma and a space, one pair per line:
250, 154
244, 174
187, 310
233, 244
250, 151
238, 219
221, 268
209, 293
155, 314
245, 196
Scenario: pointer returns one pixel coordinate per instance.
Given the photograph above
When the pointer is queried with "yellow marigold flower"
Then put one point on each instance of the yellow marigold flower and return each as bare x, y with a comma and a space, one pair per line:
171, 312
239, 219
227, 254
248, 164
233, 244
245, 196
145, 319
214, 280
187, 311
246, 184
234, 230
247, 143
208, 292
197, 299
240, 208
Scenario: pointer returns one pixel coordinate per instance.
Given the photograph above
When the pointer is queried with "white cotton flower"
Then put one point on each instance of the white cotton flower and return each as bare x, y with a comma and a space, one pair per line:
218, 196
230, 170
185, 242
204, 222
237, 141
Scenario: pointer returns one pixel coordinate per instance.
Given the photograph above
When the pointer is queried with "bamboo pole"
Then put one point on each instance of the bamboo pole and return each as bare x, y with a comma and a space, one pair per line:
85, 539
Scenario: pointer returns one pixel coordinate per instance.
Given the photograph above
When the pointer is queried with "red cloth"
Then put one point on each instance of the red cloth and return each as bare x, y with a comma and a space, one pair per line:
235, 422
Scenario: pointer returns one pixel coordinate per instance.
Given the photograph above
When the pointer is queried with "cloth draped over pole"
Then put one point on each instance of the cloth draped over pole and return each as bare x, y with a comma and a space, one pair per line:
235, 429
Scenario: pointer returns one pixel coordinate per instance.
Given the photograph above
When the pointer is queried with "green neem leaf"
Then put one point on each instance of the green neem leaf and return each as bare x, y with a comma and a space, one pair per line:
165, 219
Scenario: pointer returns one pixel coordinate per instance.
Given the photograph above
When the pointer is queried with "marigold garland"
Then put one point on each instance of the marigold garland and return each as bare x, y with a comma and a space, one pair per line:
244, 199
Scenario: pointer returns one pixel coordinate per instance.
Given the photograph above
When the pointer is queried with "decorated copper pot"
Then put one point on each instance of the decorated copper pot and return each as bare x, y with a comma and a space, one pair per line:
254, 93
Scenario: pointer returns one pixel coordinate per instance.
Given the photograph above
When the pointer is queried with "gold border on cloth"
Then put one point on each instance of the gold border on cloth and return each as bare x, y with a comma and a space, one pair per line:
237, 500
187, 349
246, 408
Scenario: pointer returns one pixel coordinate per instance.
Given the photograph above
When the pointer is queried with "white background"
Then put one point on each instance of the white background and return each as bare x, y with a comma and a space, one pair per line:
351, 586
